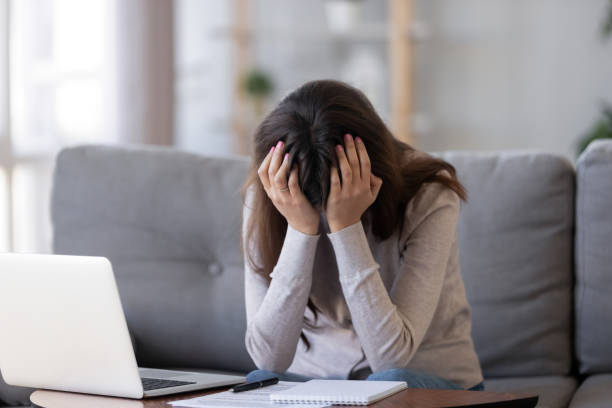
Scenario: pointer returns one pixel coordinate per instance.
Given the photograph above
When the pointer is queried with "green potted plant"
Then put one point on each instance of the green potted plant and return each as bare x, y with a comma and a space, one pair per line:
258, 87
602, 129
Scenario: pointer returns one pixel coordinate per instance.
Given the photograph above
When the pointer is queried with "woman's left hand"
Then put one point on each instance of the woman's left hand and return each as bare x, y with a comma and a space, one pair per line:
348, 200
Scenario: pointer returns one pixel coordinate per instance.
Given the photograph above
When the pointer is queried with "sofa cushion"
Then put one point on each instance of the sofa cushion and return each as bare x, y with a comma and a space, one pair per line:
594, 392
170, 223
594, 259
553, 391
515, 249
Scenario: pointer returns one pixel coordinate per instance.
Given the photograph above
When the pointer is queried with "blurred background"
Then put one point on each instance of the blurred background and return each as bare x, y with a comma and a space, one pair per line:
199, 75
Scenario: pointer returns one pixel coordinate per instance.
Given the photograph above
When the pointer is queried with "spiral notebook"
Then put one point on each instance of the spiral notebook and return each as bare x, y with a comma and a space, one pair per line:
338, 392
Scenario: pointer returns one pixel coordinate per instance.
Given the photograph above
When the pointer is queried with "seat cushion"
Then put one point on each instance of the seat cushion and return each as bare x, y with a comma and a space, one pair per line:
169, 222
593, 259
515, 249
594, 392
553, 391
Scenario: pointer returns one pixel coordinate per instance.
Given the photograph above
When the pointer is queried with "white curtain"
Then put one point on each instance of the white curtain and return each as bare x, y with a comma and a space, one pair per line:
81, 72
143, 71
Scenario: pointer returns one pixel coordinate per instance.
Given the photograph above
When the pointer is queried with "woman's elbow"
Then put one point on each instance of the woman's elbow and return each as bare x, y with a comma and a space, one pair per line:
264, 355
396, 353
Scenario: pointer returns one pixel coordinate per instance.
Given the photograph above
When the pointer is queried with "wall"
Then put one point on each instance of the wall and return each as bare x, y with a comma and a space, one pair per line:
511, 74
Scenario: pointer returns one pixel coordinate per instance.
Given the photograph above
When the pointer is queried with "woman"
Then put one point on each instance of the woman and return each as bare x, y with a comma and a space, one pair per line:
349, 235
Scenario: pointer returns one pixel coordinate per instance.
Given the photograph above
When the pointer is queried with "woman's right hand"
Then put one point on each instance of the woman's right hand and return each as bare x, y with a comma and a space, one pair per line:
286, 195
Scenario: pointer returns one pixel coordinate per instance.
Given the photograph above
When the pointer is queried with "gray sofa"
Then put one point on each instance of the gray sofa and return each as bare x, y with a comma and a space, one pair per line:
535, 247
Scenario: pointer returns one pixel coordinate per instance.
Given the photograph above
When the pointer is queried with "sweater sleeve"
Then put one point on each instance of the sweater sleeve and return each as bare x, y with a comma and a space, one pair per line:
391, 324
275, 311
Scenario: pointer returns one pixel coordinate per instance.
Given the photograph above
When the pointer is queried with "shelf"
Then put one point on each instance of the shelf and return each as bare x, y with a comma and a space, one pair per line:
366, 32
398, 34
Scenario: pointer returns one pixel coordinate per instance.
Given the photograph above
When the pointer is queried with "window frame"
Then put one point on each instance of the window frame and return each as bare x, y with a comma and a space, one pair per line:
6, 149
9, 159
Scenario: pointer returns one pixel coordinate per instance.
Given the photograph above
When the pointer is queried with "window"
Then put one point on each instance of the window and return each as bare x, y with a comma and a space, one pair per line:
54, 70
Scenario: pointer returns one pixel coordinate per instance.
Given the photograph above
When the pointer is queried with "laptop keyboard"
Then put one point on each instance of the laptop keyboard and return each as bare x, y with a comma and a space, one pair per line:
149, 384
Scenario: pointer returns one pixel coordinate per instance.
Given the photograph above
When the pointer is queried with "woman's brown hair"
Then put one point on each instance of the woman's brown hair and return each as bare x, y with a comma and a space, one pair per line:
311, 121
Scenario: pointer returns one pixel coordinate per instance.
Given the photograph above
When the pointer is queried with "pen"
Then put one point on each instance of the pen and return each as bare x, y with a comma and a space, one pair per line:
256, 384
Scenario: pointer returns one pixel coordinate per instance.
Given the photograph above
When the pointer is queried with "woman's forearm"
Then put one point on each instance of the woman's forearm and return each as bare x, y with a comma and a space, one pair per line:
274, 322
390, 330
385, 338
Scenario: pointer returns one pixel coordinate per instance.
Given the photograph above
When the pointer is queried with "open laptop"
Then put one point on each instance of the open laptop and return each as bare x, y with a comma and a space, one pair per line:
63, 328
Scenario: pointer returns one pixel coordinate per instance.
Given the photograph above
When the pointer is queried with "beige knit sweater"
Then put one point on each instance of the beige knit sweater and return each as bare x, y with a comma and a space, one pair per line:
396, 303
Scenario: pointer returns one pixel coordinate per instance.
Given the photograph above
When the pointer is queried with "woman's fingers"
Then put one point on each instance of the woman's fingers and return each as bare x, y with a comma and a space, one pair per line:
294, 187
364, 160
351, 154
280, 178
334, 183
277, 157
262, 171
345, 168
375, 185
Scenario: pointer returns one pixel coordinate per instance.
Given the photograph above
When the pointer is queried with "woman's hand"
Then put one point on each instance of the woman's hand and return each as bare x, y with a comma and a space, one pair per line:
286, 195
348, 201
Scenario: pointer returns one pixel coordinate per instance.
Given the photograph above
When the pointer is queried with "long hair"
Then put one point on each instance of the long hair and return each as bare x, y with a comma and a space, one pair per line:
311, 121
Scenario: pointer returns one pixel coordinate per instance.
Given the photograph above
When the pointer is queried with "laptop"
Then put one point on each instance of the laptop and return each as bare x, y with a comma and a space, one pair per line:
63, 328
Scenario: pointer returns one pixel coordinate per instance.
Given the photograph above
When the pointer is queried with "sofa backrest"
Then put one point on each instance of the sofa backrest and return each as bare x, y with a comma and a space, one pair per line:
593, 259
169, 222
515, 249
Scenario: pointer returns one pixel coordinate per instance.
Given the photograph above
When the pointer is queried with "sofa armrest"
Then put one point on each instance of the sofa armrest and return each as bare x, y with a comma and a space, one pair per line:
593, 304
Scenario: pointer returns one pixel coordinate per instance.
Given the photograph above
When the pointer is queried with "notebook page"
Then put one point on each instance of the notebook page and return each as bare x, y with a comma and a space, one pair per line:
257, 398
351, 392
